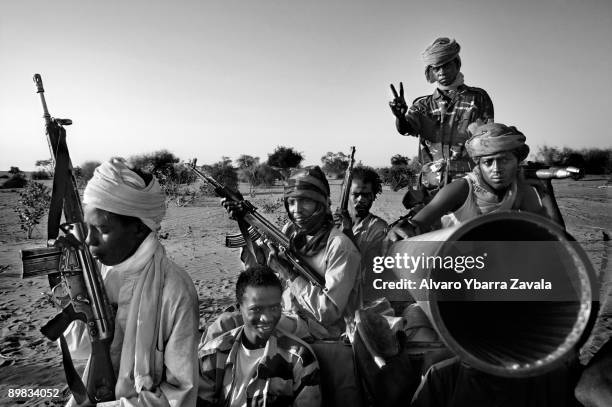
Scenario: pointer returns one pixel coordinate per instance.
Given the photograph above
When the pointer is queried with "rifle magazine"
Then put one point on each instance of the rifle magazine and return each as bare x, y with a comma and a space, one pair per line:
237, 240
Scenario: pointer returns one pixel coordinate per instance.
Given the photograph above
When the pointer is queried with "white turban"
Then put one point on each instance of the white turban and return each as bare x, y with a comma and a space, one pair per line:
117, 189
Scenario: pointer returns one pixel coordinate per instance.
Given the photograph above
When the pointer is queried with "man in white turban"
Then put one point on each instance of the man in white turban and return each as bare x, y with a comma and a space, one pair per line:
154, 349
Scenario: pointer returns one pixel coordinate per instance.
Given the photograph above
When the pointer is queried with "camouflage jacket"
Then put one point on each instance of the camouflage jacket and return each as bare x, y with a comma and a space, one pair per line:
441, 119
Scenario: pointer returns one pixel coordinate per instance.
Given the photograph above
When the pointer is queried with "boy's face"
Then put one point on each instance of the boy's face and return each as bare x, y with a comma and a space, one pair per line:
362, 197
261, 310
110, 240
499, 170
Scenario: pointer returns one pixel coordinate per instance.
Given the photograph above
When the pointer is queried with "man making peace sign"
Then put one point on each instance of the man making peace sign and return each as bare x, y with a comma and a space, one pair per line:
440, 120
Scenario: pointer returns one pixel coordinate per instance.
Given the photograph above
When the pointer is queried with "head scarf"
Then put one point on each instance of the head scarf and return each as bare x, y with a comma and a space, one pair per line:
309, 182
493, 138
117, 189
441, 51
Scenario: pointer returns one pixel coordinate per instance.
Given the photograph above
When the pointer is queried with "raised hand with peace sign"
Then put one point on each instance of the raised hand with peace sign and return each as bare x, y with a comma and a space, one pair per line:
398, 104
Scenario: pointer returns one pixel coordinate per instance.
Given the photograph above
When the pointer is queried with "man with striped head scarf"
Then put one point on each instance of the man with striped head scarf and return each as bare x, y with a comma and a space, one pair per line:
309, 311
154, 348
495, 183
440, 120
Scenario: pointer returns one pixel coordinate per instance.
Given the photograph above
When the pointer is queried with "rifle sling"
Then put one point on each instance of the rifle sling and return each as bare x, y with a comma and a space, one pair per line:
53, 330
60, 179
75, 384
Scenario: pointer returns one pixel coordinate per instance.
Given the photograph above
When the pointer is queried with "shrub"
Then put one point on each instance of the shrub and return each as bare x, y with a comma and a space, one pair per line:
87, 169
592, 160
269, 206
45, 165
15, 181
159, 163
40, 174
335, 163
285, 158
397, 177
223, 172
32, 205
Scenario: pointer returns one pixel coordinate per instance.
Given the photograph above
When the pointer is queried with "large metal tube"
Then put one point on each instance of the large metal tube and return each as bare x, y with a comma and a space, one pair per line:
508, 336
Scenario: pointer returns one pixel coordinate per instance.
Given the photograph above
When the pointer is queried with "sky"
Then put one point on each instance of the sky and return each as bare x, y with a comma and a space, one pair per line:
208, 79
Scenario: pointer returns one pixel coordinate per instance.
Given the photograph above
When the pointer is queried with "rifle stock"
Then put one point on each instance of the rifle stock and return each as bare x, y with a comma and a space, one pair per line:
260, 226
72, 268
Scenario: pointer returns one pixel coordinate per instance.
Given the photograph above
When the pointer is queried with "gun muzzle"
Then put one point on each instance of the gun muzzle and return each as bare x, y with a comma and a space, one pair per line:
559, 173
510, 333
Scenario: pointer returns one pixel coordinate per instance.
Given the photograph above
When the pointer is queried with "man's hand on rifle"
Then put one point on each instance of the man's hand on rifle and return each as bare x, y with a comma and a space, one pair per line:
278, 262
398, 104
342, 220
235, 209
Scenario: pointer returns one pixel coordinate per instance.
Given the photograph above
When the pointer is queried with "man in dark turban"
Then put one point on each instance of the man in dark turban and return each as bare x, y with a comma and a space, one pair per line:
309, 311
440, 120
495, 184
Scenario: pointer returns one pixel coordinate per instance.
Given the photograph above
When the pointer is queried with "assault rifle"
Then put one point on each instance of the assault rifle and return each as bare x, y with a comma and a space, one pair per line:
72, 272
346, 184
254, 225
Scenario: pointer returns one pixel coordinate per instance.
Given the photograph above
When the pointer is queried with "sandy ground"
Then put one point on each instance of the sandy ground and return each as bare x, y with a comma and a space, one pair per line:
194, 238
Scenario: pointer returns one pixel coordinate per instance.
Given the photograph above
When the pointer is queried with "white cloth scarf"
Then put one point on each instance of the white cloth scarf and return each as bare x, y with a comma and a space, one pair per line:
117, 189
142, 325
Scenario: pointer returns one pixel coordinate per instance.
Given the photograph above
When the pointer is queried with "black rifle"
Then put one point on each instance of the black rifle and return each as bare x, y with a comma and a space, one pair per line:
71, 269
346, 184
257, 226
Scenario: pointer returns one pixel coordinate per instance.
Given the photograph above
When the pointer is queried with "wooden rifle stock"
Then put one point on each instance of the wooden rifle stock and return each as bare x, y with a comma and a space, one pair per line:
72, 269
260, 226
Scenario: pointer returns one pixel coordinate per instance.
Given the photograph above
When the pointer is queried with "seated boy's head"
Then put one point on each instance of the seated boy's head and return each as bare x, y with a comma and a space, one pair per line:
258, 292
121, 208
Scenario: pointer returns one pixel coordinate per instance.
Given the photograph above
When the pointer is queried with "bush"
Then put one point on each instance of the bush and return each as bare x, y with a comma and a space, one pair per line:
32, 205
335, 164
397, 176
46, 165
265, 175
591, 160
223, 172
15, 181
285, 158
159, 163
269, 206
40, 174
87, 170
